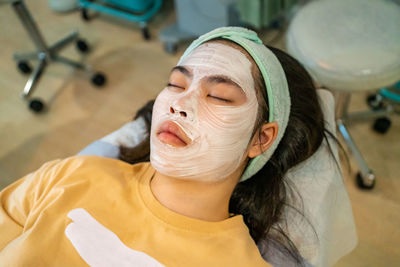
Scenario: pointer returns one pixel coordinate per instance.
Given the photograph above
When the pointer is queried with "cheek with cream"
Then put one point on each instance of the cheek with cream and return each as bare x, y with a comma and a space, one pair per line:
219, 134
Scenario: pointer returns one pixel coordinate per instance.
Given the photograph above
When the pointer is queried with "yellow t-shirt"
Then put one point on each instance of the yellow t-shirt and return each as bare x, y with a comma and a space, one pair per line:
89, 210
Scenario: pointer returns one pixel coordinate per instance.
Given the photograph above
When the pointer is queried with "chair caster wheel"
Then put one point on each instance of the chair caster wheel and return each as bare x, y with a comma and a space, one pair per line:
98, 79
375, 101
24, 67
82, 46
146, 33
382, 125
36, 105
361, 184
84, 14
276, 24
170, 48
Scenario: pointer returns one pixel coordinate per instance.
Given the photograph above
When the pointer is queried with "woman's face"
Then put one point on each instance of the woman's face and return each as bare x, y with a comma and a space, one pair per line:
203, 120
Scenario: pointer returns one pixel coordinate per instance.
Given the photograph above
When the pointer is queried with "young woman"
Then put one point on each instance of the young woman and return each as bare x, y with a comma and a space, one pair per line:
224, 132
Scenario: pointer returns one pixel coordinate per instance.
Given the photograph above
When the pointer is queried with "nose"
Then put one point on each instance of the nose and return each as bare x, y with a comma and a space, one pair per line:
184, 107
181, 113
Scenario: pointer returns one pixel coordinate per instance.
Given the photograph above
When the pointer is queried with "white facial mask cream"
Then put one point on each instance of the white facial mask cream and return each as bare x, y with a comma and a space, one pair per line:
219, 134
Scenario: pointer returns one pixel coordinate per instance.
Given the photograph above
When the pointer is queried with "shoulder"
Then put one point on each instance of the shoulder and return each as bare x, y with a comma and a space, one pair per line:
82, 166
247, 252
91, 161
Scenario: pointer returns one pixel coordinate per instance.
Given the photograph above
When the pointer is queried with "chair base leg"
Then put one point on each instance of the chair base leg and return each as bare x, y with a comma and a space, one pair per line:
74, 64
26, 56
45, 54
73, 36
34, 78
44, 60
366, 175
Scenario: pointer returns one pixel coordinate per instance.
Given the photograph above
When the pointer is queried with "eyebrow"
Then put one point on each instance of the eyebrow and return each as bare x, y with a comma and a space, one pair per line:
210, 79
183, 70
222, 79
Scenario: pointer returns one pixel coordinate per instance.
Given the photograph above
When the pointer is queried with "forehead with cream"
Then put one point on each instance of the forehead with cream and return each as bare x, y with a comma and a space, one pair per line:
219, 59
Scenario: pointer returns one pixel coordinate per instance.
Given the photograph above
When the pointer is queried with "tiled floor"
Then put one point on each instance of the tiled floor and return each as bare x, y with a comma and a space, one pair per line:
137, 70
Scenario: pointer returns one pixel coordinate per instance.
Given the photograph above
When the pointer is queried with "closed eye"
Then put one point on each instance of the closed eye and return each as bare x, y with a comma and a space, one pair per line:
175, 86
220, 99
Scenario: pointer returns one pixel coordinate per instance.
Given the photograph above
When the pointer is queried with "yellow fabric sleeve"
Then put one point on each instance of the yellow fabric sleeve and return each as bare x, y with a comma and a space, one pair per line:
17, 201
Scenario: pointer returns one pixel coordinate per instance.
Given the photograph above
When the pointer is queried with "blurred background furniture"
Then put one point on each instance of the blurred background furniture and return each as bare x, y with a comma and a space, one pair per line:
259, 14
194, 18
139, 11
351, 46
63, 5
46, 54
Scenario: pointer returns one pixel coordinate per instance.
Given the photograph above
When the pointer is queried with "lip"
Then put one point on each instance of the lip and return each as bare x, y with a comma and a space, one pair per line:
171, 133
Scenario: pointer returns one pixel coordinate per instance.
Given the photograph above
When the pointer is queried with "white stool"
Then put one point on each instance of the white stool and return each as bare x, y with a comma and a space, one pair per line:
349, 46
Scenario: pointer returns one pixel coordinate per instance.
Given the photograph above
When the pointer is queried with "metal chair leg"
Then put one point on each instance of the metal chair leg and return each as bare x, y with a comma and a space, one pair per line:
34, 78
30, 25
72, 63
26, 56
63, 42
46, 54
366, 178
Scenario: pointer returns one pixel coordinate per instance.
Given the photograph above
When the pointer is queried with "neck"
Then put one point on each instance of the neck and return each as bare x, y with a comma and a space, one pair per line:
208, 201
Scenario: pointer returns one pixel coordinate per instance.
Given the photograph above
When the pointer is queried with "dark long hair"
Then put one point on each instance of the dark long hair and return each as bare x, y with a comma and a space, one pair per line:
262, 198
